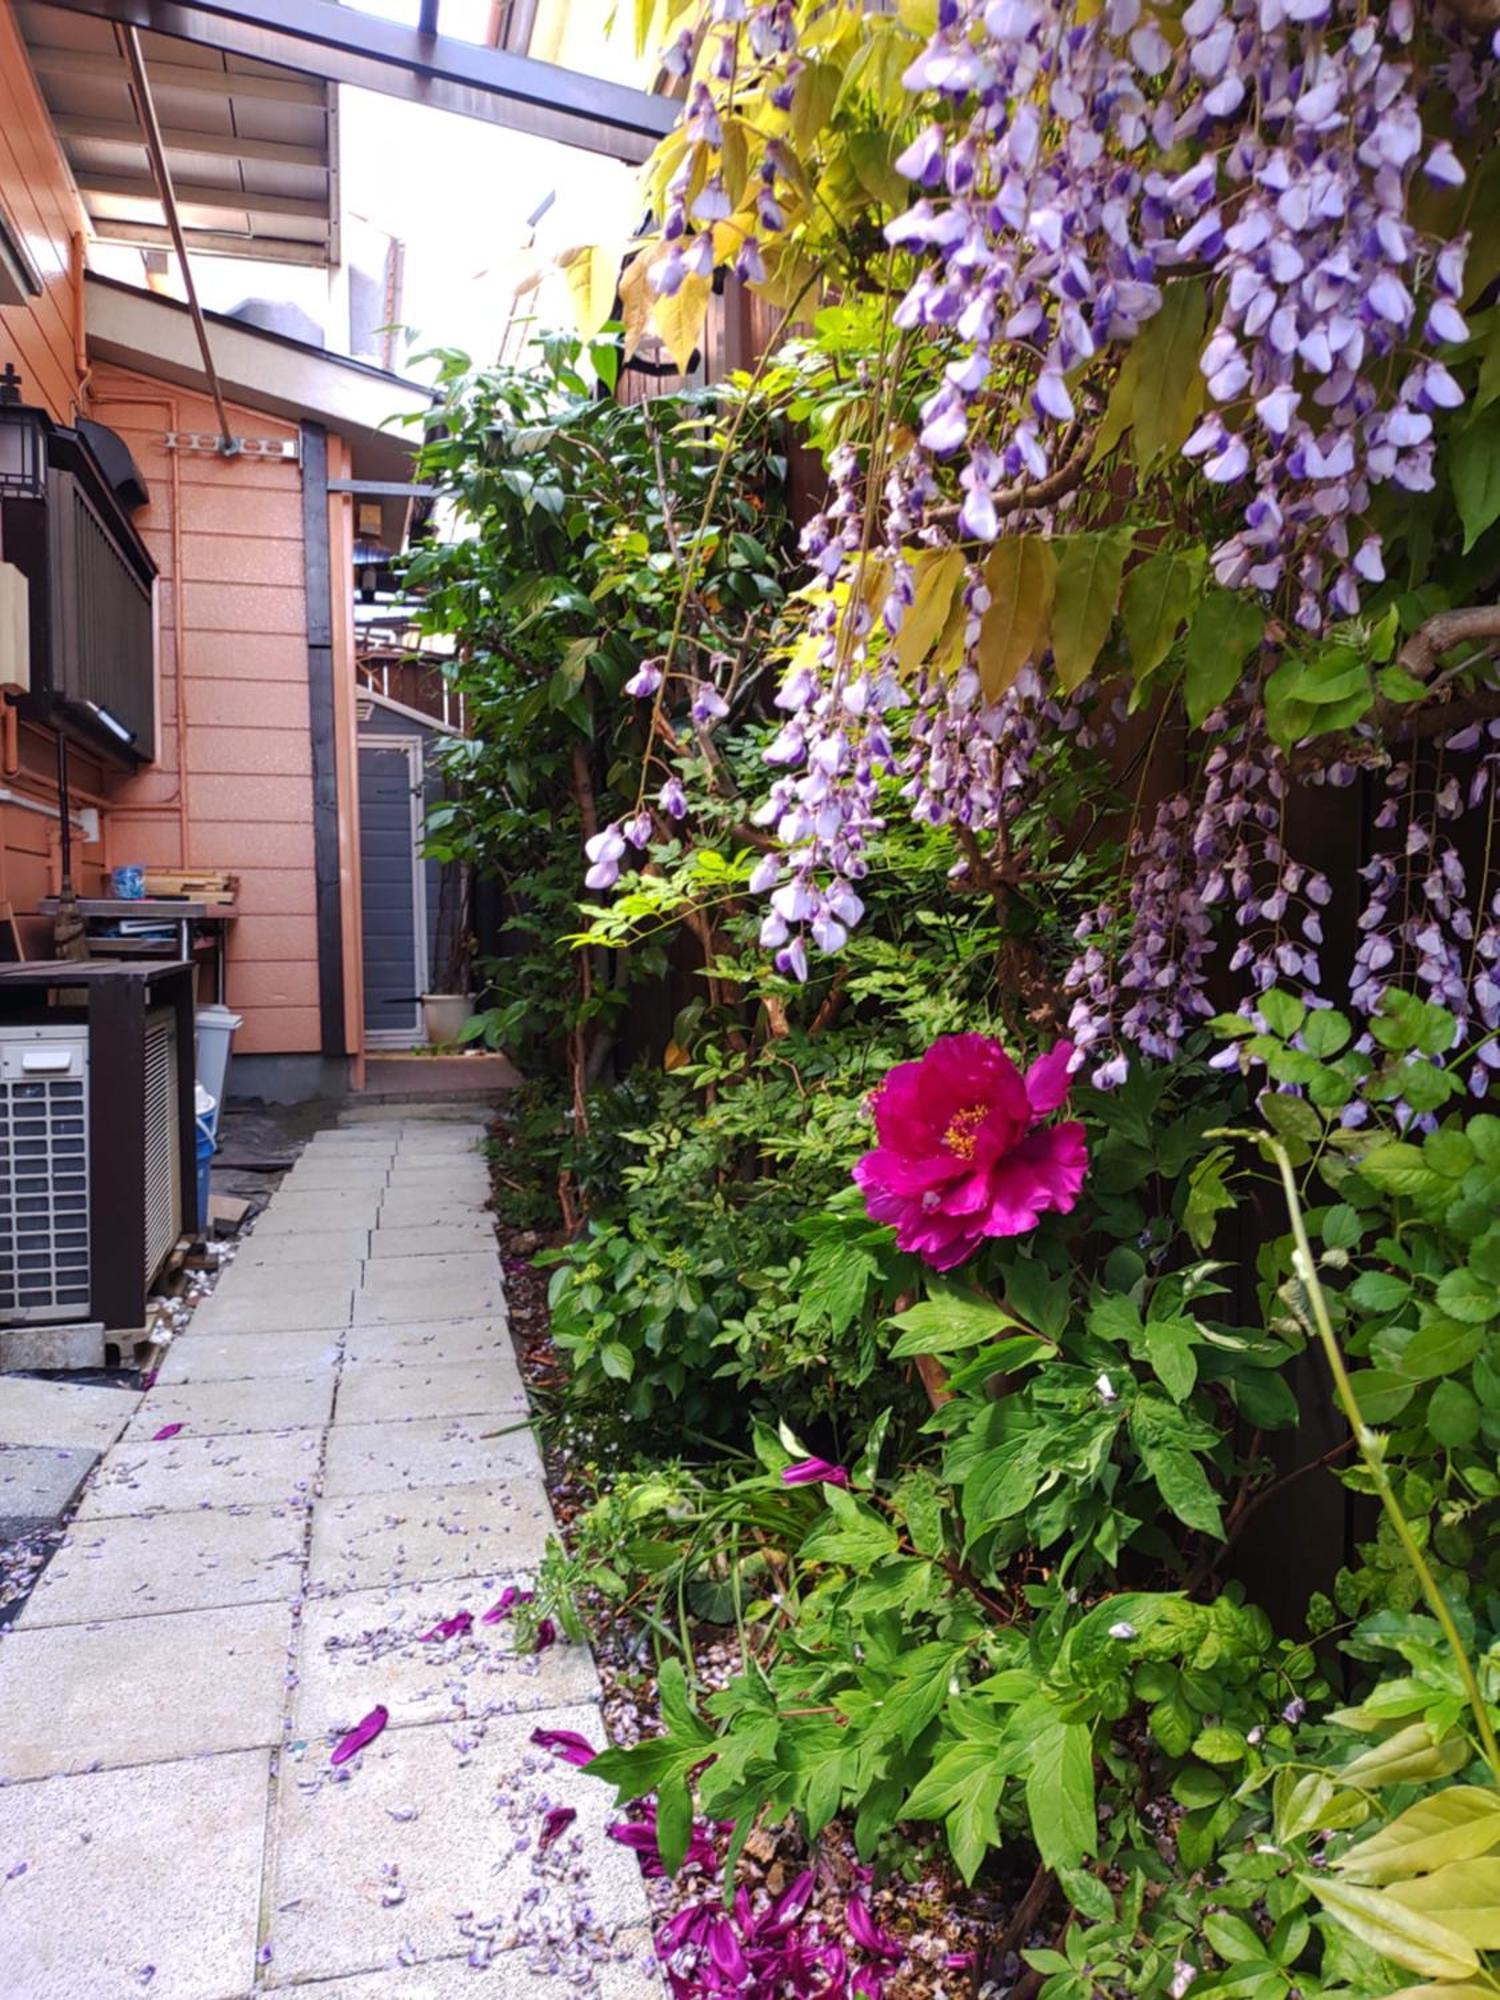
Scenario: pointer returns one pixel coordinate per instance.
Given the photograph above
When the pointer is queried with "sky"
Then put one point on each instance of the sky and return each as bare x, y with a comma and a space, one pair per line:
458, 193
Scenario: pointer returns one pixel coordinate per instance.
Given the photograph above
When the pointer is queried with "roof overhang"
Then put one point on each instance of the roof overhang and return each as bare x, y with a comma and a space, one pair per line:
320, 38
252, 149
286, 378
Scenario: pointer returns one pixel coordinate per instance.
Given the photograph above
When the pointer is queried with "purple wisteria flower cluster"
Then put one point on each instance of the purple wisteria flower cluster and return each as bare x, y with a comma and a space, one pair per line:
1072, 165
1211, 883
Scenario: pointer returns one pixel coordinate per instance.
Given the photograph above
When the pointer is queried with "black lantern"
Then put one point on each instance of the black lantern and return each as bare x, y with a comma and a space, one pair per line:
23, 442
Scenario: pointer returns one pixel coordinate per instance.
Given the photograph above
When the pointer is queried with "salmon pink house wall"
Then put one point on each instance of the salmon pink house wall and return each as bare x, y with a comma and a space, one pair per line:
232, 784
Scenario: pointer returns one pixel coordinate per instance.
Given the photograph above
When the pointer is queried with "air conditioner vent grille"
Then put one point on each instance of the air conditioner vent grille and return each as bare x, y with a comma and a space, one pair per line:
163, 1159
44, 1179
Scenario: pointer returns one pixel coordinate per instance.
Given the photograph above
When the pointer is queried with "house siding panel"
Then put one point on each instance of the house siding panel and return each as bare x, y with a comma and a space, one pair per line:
233, 550
44, 208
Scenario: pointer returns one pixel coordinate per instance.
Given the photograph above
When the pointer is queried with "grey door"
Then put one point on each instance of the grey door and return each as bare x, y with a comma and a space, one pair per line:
391, 890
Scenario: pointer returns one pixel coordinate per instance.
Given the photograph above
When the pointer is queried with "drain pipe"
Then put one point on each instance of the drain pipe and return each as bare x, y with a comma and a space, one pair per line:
130, 47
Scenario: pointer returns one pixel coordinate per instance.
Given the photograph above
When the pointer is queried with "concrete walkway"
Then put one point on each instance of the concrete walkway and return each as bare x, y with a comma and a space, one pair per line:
347, 1469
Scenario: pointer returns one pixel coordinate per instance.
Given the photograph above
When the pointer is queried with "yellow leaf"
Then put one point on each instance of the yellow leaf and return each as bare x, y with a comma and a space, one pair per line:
679, 318
1455, 1825
1414, 1752
788, 273
593, 273
636, 301
1463, 1897
1021, 576
1088, 589
1467, 1991
936, 574
1398, 1934
812, 104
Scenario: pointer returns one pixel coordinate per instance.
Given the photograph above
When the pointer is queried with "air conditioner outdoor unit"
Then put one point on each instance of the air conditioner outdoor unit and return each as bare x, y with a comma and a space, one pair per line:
96, 1154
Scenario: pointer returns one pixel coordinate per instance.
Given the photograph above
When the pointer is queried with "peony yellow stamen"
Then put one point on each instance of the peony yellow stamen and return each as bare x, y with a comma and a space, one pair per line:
962, 1135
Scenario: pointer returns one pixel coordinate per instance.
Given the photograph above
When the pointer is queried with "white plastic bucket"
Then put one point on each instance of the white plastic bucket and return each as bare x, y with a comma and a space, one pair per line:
215, 1033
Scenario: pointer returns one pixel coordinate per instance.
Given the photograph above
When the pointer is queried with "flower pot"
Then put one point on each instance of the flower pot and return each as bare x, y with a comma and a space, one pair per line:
444, 1014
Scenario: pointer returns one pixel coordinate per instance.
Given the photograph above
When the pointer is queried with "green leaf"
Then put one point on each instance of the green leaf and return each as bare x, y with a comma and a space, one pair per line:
1021, 577
1088, 1895
1208, 1197
1282, 1012
1379, 1291
617, 1361
947, 1324
1327, 690
1404, 1936
1399, 1168
1157, 597
1088, 589
1464, 1295
1168, 386
1060, 1794
1440, 1347
1226, 630
1455, 1825
1219, 1746
1326, 1031
1232, 1938
1453, 1415
852, 1534
1474, 466
1169, 1348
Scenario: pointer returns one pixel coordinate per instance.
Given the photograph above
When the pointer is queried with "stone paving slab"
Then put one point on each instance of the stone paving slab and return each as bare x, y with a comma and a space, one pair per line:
383, 1302
248, 1468
370, 1541
427, 1209
327, 1247
367, 1645
239, 1357
375, 1392
38, 1482
220, 1409
140, 1691
392, 1238
63, 1413
439, 1451
153, 1867
334, 1177
429, 1340
470, 1266
625, 1970
458, 1853
306, 1297
129, 1567
324, 1209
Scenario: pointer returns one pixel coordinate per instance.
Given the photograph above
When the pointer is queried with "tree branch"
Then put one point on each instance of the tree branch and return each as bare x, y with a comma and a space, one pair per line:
1431, 640
1028, 494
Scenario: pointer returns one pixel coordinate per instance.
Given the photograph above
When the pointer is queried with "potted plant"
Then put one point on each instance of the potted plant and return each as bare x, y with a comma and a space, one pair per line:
445, 1011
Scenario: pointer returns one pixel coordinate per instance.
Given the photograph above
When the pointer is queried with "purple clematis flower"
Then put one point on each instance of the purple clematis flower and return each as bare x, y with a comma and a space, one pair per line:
815, 1472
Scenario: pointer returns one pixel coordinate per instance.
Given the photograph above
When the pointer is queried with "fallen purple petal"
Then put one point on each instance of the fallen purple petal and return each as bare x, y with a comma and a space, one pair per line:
546, 1635
449, 1628
166, 1431
566, 1744
505, 1603
554, 1825
868, 1935
361, 1734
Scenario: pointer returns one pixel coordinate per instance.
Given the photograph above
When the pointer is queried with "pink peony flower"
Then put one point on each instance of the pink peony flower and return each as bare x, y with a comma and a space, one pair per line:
962, 1154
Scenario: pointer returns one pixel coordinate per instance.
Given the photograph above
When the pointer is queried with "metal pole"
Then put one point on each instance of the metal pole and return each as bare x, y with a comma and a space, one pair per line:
140, 90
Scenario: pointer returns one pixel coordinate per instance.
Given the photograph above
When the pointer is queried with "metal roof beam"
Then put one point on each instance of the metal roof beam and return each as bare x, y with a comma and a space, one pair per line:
48, 59
321, 38
210, 242
191, 194
176, 139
